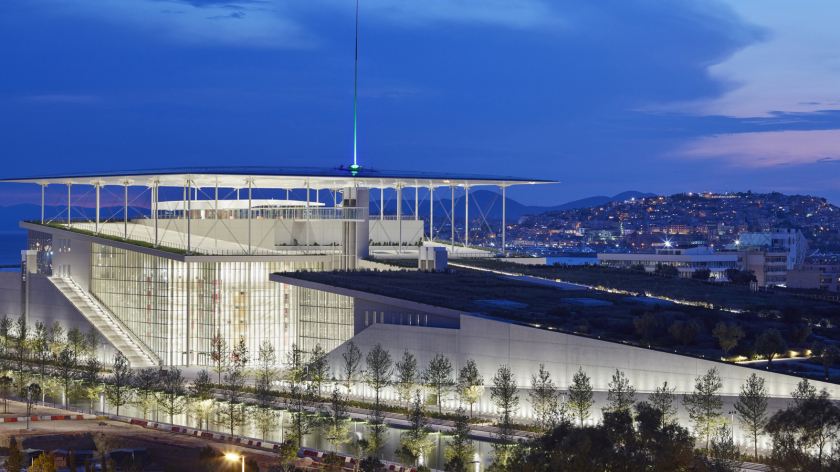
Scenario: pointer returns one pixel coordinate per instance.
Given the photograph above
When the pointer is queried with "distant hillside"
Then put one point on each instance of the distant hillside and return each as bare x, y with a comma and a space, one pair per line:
482, 202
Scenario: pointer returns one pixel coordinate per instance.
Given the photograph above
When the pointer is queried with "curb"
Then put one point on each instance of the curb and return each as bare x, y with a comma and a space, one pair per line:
21, 419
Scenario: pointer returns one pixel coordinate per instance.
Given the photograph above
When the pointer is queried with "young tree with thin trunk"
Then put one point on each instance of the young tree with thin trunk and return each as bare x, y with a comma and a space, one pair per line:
752, 408
172, 393
335, 424
91, 378
460, 450
621, 396
580, 396
6, 383
379, 370
294, 367
415, 440
406, 380
664, 400
219, 355
350, 367
65, 370
438, 378
303, 420
118, 389
770, 344
146, 383
319, 367
265, 374
545, 399
704, 405
41, 351
505, 396
57, 339
470, 387
93, 341
15, 459
377, 431
22, 352
76, 342
231, 411
202, 398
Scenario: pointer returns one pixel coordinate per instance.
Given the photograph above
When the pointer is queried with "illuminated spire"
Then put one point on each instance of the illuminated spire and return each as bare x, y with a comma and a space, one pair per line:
355, 165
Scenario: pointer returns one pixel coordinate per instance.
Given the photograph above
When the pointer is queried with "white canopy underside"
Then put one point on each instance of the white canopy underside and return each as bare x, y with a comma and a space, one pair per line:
178, 205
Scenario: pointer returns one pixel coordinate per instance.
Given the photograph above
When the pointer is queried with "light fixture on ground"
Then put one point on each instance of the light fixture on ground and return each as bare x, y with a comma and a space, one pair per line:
236, 457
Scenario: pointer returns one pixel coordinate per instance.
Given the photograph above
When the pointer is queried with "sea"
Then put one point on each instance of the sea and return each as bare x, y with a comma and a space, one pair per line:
11, 243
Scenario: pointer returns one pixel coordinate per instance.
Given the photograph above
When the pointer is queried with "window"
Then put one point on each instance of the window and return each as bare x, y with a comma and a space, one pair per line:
367, 318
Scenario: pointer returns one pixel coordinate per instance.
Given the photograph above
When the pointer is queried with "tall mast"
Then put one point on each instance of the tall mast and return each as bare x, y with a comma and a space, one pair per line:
356, 88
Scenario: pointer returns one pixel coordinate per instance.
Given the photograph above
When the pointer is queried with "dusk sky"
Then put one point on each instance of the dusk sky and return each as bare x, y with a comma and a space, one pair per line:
605, 96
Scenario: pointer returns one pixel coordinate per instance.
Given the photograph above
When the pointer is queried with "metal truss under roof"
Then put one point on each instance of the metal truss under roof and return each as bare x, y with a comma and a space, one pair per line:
276, 177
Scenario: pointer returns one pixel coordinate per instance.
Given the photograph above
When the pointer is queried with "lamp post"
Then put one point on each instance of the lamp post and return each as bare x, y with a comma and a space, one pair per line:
236, 457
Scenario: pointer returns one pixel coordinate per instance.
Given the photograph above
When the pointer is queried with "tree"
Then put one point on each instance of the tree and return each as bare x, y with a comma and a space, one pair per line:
545, 399
92, 380
377, 431
470, 386
57, 340
286, 455
810, 425
686, 332
350, 369
240, 357
799, 333
231, 411
265, 417
219, 355
727, 335
379, 370
770, 344
319, 367
202, 397
336, 427
303, 421
620, 395
724, 455
644, 325
580, 396
76, 342
438, 377
21, 346
740, 277
664, 400
416, 438
505, 396
65, 370
752, 408
406, 380
701, 274
704, 404
41, 350
145, 384
460, 449
117, 390
828, 355
6, 383
14, 461
44, 463
93, 341
172, 392
294, 366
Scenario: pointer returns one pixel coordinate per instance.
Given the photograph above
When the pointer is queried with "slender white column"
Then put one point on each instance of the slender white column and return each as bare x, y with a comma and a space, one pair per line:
467, 215
317, 195
68, 204
307, 216
382, 203
98, 184
416, 201
42, 202
157, 199
125, 210
431, 213
504, 221
189, 228
250, 250
452, 217
216, 217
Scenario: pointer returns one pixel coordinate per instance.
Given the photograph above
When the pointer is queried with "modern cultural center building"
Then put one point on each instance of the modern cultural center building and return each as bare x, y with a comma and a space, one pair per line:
190, 252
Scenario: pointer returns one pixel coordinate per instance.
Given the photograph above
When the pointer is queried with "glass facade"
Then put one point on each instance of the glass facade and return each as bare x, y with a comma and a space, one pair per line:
166, 303
43, 243
322, 318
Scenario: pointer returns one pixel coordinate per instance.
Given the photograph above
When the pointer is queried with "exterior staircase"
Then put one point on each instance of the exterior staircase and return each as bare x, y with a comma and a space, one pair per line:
111, 328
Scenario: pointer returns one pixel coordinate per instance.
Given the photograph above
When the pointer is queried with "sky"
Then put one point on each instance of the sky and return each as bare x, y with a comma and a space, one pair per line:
604, 97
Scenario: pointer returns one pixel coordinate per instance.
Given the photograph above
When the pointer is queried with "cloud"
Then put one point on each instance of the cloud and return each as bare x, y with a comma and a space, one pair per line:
767, 149
237, 15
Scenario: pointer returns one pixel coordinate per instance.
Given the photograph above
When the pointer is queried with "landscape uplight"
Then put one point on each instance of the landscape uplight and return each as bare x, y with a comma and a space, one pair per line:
236, 457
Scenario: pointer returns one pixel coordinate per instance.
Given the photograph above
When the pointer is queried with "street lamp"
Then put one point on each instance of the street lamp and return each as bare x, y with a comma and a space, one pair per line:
236, 457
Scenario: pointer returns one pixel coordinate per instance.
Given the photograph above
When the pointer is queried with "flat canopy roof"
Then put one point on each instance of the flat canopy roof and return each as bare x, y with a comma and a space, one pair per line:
276, 177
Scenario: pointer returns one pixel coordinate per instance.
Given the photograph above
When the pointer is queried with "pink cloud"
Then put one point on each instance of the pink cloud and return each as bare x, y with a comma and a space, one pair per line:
768, 149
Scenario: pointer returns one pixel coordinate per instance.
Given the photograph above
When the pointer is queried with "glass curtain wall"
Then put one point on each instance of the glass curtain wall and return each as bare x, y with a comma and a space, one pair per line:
166, 302
322, 318
41, 242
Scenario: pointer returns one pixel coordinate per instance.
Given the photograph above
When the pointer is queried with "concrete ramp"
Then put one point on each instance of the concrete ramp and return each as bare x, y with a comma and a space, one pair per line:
111, 328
